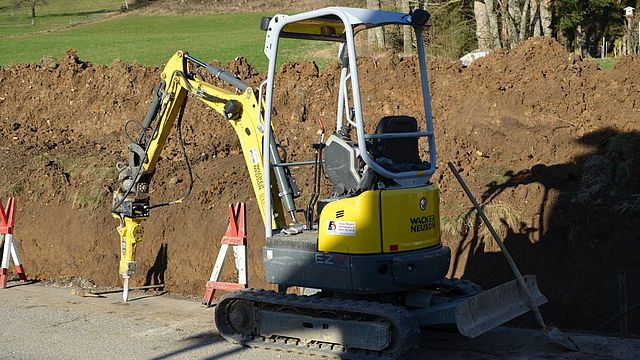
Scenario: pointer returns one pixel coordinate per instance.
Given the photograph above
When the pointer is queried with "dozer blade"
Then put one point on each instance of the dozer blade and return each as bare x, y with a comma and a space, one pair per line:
492, 308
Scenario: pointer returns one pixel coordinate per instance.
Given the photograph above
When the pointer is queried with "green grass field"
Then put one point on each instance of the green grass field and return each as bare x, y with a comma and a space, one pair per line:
15, 15
606, 64
148, 40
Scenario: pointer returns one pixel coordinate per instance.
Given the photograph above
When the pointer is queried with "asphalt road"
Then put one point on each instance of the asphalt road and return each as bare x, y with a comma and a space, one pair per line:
39, 322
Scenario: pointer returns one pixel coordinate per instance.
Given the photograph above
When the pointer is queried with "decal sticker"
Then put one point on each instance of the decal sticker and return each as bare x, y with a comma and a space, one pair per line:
423, 204
257, 170
423, 223
331, 259
253, 152
346, 228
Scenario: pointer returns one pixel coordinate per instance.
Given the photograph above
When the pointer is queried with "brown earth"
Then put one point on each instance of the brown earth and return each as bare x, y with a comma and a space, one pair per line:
231, 6
547, 140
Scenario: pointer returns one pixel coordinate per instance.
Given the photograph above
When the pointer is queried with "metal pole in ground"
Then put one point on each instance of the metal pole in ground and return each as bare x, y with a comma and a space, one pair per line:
622, 301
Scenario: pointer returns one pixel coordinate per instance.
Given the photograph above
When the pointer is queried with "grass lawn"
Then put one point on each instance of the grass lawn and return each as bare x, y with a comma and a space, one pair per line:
606, 64
132, 38
55, 14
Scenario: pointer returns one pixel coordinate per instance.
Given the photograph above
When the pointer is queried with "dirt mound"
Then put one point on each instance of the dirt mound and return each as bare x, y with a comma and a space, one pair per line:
198, 7
547, 140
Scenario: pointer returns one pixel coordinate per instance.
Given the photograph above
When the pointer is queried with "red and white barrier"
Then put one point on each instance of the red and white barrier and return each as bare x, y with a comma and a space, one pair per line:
7, 221
235, 236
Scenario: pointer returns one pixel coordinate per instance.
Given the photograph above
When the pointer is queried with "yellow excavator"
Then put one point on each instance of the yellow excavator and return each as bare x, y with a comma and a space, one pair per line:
367, 250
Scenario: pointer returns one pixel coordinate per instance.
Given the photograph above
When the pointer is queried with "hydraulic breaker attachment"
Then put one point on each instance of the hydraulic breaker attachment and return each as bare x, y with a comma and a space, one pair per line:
489, 309
130, 231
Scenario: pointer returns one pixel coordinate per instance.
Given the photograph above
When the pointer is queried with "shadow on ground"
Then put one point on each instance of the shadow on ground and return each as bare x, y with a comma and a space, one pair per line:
198, 341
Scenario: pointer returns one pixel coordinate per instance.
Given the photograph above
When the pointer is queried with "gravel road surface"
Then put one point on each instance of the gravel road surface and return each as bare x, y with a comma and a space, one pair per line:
40, 322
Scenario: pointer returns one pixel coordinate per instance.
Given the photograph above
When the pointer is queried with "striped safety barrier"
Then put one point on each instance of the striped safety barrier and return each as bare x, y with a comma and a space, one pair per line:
7, 221
235, 236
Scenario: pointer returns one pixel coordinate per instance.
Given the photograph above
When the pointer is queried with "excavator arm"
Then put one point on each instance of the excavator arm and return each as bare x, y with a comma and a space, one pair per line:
241, 109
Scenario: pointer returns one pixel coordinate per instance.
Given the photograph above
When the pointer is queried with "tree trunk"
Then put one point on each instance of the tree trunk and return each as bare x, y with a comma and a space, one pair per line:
505, 29
375, 36
406, 30
408, 35
493, 23
483, 29
523, 21
33, 8
514, 22
535, 19
545, 17
579, 40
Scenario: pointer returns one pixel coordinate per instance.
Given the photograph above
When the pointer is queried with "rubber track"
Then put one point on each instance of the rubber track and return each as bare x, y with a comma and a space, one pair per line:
405, 333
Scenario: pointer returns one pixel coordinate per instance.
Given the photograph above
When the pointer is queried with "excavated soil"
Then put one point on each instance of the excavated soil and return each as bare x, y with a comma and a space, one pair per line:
233, 6
547, 141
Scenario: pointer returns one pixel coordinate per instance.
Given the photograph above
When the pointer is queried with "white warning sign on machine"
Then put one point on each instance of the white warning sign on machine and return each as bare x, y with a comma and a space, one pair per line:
255, 158
345, 228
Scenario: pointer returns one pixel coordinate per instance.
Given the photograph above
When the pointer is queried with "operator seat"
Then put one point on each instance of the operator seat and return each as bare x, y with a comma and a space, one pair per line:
400, 150
397, 155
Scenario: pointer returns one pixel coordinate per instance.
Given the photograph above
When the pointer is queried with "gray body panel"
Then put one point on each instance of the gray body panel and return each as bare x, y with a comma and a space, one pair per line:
294, 261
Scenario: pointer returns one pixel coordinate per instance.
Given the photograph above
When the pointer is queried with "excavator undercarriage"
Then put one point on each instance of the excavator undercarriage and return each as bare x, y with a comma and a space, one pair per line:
348, 327
316, 325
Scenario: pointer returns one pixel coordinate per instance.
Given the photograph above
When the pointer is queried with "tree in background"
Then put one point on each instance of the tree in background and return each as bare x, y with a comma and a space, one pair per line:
507, 23
459, 26
542, 18
631, 32
581, 24
32, 5
408, 38
451, 33
375, 36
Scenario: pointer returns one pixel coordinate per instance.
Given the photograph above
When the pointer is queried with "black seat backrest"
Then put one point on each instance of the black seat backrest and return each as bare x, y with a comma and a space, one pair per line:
401, 150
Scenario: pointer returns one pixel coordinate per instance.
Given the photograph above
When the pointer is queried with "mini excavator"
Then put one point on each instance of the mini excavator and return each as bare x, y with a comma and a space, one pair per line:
369, 254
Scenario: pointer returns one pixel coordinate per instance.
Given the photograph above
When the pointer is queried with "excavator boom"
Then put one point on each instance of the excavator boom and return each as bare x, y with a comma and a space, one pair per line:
179, 80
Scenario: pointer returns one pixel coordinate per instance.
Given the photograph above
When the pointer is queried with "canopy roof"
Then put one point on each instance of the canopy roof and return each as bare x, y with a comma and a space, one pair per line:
329, 23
